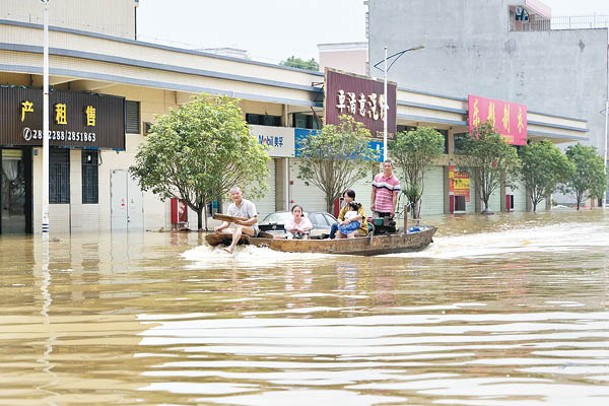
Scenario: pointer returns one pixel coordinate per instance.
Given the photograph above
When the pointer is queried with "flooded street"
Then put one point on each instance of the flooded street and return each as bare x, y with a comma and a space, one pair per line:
506, 310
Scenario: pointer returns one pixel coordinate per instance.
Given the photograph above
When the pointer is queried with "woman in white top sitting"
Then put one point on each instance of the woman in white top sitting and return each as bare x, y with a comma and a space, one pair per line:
298, 226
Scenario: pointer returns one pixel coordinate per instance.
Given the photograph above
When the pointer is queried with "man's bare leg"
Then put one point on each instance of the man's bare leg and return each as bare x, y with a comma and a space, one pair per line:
236, 237
237, 233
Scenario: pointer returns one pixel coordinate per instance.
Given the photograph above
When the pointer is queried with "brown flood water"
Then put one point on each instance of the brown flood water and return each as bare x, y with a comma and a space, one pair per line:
506, 310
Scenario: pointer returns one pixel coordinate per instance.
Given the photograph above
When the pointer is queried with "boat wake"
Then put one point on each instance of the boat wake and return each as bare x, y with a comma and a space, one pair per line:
245, 256
546, 239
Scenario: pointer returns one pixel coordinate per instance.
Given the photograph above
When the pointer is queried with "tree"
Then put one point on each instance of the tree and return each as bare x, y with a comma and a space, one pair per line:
336, 157
299, 63
544, 167
488, 158
198, 152
588, 180
414, 152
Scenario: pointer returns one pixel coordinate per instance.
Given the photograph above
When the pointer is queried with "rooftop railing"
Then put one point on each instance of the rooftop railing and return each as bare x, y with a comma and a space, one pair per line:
571, 22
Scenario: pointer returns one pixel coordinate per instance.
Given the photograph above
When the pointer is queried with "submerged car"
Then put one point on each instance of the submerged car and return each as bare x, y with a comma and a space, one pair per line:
322, 222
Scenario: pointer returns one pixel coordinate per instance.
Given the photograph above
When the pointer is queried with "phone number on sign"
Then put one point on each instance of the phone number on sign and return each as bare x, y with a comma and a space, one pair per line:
29, 134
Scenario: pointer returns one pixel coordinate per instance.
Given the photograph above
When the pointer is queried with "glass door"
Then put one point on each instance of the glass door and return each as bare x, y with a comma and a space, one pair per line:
13, 192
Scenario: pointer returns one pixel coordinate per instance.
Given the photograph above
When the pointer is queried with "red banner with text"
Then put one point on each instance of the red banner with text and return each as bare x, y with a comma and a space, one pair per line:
508, 119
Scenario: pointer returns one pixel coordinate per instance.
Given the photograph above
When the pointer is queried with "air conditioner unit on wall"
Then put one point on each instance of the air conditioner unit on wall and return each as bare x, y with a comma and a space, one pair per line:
521, 14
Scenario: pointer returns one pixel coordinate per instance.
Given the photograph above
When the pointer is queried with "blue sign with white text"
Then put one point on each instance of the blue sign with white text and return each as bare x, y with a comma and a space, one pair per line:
301, 134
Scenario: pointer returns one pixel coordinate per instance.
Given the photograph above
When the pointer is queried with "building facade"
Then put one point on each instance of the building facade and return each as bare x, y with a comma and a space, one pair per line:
90, 186
502, 49
116, 18
347, 56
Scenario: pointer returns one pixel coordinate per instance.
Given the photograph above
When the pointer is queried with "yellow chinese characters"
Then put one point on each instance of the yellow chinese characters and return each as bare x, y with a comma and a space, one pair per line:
506, 118
491, 113
520, 120
61, 113
476, 117
26, 107
90, 115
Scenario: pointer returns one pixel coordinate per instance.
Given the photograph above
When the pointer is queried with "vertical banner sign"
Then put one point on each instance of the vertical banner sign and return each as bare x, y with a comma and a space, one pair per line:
76, 120
362, 98
508, 119
458, 183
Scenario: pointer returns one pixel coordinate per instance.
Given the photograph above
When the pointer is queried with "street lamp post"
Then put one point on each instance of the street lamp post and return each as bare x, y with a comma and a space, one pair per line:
606, 134
45, 123
385, 69
385, 100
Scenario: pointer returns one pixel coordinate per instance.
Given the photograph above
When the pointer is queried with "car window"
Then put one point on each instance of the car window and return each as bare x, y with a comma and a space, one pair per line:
277, 218
318, 219
329, 219
314, 219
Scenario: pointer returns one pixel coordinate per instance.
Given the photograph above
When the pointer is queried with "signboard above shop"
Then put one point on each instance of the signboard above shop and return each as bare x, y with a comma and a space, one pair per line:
300, 134
362, 98
278, 141
508, 119
76, 120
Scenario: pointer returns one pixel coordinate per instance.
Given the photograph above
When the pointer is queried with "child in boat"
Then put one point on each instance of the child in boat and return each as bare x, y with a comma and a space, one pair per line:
351, 223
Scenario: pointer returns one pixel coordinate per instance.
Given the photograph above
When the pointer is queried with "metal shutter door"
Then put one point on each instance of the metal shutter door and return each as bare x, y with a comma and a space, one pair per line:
433, 193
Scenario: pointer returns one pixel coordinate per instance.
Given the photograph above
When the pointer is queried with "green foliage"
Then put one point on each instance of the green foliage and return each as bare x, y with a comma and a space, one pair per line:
414, 152
488, 158
299, 63
588, 180
336, 157
199, 151
544, 167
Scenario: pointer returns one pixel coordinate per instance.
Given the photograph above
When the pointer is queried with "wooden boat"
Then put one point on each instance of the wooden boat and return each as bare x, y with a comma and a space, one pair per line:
370, 245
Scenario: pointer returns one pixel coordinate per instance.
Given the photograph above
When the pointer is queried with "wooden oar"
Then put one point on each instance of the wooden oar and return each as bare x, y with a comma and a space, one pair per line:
226, 217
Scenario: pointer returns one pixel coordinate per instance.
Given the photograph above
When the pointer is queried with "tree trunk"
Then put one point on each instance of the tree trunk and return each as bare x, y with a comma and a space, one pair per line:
416, 210
329, 205
486, 209
200, 218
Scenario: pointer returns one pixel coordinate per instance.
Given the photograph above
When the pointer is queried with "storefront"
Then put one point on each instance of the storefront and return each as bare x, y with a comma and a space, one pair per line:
83, 122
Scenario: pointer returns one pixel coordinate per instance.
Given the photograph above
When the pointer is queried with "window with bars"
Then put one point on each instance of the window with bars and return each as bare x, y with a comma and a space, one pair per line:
59, 176
445, 138
90, 179
459, 139
132, 117
306, 121
263, 119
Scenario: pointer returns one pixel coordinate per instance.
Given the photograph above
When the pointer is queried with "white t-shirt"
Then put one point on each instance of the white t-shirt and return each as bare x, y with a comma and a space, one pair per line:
350, 214
247, 210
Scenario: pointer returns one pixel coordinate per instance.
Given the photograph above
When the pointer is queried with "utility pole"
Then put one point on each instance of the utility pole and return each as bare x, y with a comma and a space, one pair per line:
45, 124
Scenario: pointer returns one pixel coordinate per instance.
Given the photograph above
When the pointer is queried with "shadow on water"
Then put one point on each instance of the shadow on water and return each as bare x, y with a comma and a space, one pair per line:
502, 310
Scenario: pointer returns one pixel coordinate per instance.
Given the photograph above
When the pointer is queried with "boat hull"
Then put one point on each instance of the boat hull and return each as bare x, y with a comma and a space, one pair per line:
373, 245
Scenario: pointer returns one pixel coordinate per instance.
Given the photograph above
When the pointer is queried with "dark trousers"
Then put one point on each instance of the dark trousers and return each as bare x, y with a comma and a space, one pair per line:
333, 230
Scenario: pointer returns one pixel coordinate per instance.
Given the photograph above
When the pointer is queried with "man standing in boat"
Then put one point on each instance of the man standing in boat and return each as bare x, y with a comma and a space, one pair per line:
240, 207
385, 192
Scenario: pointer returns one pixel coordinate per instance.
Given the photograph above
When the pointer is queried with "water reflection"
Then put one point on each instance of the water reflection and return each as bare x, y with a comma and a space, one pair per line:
505, 310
